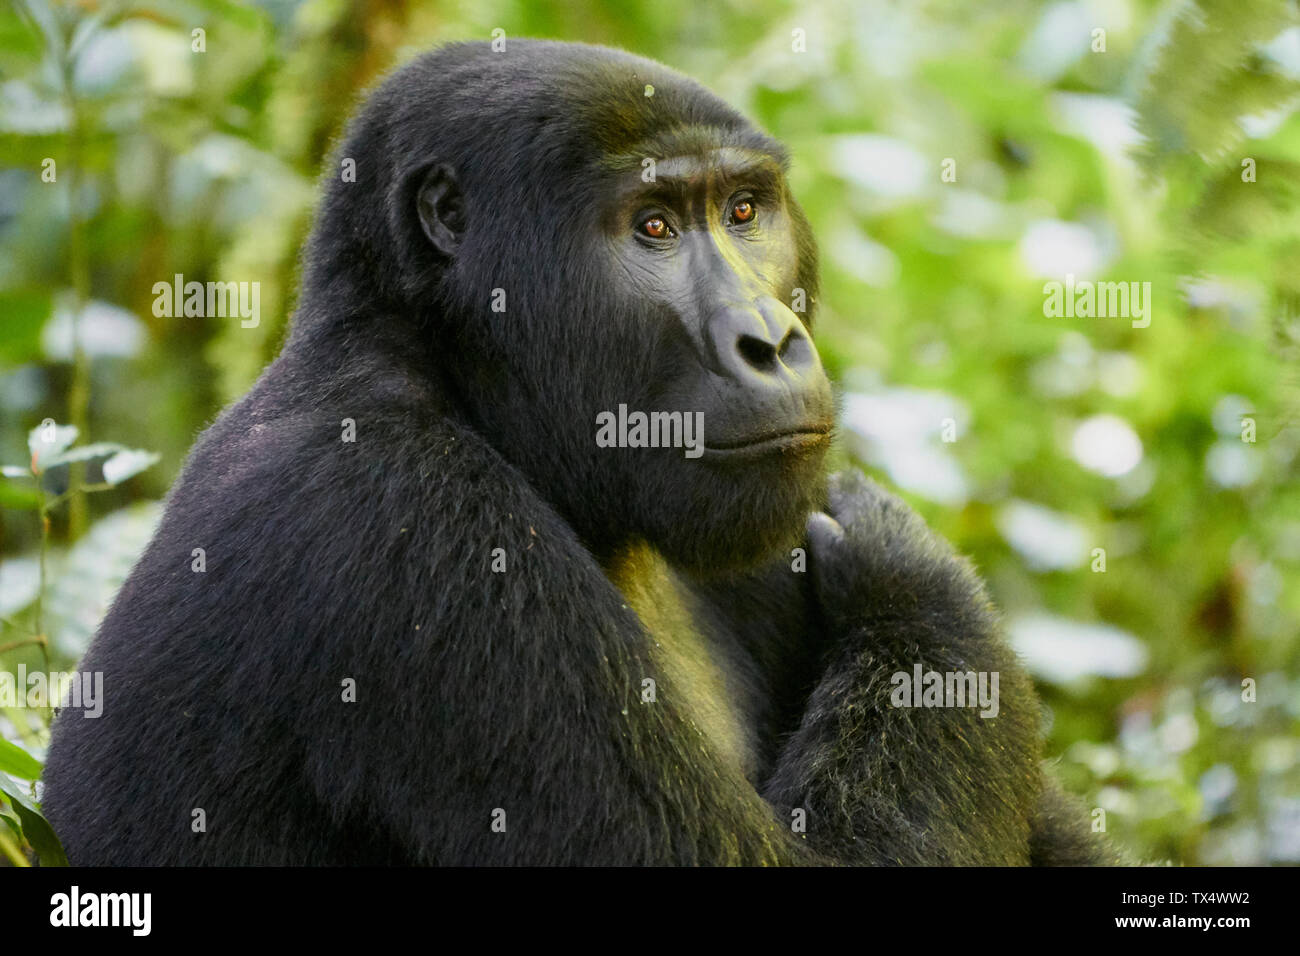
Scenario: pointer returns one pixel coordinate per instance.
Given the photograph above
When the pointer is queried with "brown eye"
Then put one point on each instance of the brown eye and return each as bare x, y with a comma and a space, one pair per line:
742, 211
655, 228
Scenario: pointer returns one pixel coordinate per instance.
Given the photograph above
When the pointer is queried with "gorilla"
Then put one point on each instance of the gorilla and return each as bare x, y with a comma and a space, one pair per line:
406, 605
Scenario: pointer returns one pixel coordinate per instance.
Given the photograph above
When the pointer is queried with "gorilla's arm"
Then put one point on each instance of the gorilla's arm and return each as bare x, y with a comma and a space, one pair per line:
880, 784
909, 785
480, 691
1061, 834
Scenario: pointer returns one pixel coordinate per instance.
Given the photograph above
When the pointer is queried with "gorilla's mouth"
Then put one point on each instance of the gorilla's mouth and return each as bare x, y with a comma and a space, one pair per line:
802, 439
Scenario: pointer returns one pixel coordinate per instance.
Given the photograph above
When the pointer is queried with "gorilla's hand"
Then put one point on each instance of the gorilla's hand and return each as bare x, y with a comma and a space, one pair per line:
870, 550
892, 781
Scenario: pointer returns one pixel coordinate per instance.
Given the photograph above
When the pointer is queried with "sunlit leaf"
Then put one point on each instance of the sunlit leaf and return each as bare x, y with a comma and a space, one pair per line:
14, 760
36, 829
128, 463
100, 449
45, 442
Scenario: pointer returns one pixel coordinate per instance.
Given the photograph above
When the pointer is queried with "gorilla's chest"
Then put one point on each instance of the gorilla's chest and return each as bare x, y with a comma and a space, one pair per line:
701, 676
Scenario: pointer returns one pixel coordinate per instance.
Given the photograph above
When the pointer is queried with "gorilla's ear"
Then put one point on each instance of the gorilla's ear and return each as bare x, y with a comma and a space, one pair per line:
441, 208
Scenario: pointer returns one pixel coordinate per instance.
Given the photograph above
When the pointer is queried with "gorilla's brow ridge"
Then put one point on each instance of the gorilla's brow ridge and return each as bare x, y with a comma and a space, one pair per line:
697, 141
728, 168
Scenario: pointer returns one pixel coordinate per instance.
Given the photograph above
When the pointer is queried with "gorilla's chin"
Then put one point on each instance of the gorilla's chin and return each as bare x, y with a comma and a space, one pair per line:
729, 516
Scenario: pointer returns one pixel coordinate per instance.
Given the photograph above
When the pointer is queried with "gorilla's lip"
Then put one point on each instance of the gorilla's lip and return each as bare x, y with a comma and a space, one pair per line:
785, 440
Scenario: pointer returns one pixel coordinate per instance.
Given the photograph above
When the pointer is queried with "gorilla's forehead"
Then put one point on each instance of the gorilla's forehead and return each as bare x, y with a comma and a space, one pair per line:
573, 98
679, 118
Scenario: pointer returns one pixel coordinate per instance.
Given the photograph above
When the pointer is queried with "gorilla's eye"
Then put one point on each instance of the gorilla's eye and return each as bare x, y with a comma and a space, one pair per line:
742, 211
656, 227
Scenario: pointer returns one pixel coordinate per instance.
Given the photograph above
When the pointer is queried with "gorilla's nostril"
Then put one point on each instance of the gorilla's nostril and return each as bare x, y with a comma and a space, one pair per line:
757, 352
785, 344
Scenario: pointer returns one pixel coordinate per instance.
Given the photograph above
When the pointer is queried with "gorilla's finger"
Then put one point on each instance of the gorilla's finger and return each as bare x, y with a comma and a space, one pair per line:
824, 534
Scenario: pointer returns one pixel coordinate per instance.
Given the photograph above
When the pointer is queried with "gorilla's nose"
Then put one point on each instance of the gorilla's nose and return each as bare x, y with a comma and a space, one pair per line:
764, 346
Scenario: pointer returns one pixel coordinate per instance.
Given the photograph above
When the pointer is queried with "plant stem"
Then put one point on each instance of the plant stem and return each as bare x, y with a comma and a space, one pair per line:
41, 576
79, 270
11, 849
5, 648
67, 495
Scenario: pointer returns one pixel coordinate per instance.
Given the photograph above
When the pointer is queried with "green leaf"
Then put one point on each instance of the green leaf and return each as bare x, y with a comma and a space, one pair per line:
15, 760
11, 819
1206, 74
100, 449
128, 463
48, 441
36, 829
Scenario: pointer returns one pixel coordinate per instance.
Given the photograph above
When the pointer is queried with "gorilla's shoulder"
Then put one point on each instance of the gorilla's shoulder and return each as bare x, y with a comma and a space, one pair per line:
336, 461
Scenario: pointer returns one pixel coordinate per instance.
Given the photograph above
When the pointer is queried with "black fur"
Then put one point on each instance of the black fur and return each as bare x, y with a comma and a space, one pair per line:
523, 690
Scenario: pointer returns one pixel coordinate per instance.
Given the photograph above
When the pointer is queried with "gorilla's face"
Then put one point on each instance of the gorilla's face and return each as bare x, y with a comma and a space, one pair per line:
705, 259
708, 248
650, 366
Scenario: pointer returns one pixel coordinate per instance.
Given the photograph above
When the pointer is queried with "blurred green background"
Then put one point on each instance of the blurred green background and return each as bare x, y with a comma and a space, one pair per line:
1118, 140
